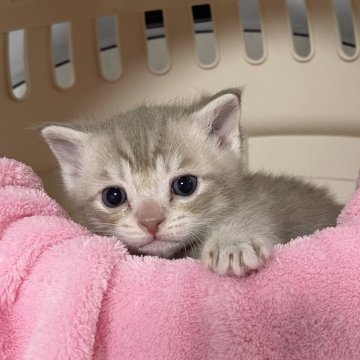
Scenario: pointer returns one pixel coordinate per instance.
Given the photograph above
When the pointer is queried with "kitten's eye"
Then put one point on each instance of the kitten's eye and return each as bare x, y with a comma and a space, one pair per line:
184, 186
113, 197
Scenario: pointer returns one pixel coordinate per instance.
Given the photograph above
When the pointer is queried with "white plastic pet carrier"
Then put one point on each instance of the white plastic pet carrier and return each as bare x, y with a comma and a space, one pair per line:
298, 62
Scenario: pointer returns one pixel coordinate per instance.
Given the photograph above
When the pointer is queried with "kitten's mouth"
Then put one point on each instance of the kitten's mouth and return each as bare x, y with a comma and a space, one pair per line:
155, 241
159, 247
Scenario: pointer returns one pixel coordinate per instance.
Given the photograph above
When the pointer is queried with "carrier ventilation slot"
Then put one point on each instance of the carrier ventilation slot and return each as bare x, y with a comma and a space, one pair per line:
157, 50
18, 63
345, 26
204, 35
62, 55
252, 30
108, 46
299, 28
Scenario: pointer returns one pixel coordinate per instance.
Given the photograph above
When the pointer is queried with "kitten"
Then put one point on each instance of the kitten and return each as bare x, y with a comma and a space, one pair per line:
168, 180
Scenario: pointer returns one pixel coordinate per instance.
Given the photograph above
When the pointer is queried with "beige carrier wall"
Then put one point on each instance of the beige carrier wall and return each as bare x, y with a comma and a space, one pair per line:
302, 114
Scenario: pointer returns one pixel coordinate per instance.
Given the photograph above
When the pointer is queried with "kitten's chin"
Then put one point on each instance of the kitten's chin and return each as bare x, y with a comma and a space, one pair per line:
161, 248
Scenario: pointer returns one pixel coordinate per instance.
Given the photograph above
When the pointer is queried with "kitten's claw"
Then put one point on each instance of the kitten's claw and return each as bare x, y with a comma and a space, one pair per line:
231, 258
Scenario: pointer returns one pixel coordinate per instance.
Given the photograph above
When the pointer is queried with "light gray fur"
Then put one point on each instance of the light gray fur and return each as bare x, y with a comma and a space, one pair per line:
231, 222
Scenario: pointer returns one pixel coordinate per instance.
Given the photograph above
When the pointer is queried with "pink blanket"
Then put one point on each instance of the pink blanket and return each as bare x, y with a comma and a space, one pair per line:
68, 294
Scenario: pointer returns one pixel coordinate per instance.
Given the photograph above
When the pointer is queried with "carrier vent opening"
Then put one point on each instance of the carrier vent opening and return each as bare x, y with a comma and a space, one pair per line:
62, 55
205, 41
301, 38
17, 60
249, 13
345, 28
108, 47
157, 49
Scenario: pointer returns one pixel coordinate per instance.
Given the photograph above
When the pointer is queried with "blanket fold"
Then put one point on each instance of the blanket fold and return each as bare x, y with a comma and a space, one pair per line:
68, 294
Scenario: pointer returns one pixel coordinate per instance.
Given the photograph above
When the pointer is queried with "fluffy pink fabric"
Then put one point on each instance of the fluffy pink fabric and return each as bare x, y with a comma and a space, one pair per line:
68, 294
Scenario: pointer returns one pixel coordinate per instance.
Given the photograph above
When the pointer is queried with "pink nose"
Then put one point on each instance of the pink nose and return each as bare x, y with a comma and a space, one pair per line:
150, 215
151, 226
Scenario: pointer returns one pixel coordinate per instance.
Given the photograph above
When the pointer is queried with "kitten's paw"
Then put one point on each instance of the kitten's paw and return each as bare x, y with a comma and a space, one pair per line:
235, 258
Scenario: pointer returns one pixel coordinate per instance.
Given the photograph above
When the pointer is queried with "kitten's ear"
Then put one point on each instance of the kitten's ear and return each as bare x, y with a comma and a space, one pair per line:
67, 145
221, 118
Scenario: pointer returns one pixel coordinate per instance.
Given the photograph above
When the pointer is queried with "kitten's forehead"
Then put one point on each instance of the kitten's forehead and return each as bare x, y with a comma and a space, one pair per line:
124, 171
145, 143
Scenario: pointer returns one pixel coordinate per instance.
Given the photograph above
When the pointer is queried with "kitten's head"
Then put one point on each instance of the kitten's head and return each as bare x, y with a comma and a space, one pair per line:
156, 177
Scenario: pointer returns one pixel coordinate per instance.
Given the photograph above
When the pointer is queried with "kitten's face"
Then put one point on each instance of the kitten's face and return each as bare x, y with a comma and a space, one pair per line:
157, 178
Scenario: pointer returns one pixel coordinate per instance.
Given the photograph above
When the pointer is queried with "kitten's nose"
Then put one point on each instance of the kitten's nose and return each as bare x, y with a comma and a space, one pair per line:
150, 215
